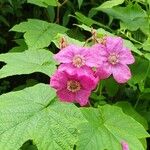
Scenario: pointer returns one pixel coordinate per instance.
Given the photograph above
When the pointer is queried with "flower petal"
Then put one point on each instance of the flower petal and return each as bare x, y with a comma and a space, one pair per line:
82, 97
66, 54
94, 56
71, 69
88, 82
58, 80
66, 95
93, 60
126, 57
99, 53
114, 44
104, 71
99, 48
121, 73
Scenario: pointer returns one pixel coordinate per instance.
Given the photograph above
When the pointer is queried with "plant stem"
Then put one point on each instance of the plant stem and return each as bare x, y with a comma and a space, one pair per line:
137, 102
58, 11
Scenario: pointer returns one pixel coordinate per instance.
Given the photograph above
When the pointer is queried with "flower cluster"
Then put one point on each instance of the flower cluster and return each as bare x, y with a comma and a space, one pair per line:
81, 68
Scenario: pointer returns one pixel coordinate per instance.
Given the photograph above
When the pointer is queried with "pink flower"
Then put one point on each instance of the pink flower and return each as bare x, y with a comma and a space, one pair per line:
77, 57
124, 146
115, 59
72, 69
73, 87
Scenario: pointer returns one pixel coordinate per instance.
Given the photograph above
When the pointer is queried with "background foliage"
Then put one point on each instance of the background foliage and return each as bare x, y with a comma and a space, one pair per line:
31, 117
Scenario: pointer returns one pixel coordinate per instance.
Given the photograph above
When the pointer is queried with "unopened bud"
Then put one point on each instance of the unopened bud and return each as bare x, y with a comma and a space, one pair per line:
103, 40
94, 35
63, 43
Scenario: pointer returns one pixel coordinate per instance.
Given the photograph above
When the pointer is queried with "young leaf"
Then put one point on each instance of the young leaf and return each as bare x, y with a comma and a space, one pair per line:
87, 21
133, 16
34, 114
44, 3
107, 127
27, 62
80, 3
38, 34
110, 4
125, 14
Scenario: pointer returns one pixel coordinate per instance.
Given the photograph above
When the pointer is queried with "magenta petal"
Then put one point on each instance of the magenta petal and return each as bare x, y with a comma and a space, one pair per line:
99, 49
102, 74
58, 80
98, 53
93, 60
121, 73
71, 69
88, 82
104, 71
114, 44
126, 57
66, 54
78, 50
94, 56
82, 97
66, 95
124, 146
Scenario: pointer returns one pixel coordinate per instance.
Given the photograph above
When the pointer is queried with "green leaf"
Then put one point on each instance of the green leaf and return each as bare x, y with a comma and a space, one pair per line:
129, 110
146, 45
147, 56
22, 46
4, 20
51, 13
80, 3
111, 86
84, 19
110, 4
44, 3
34, 114
38, 34
140, 70
27, 62
144, 1
107, 127
83, 26
131, 46
145, 95
87, 21
130, 12
133, 16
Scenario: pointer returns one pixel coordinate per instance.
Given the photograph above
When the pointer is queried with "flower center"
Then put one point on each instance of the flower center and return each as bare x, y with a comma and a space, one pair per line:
113, 59
73, 86
78, 61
